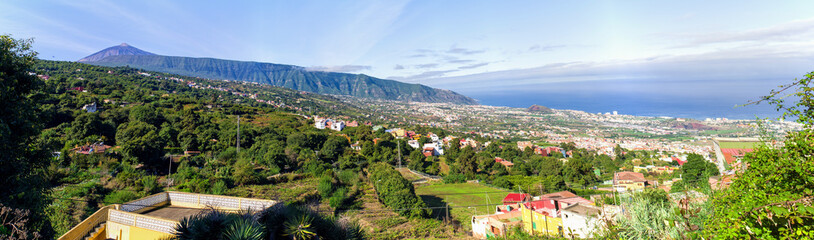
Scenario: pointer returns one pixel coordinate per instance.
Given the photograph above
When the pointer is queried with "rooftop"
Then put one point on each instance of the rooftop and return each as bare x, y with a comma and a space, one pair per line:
585, 210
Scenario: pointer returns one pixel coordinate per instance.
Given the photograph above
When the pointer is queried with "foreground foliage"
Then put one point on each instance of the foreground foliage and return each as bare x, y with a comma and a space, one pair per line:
772, 198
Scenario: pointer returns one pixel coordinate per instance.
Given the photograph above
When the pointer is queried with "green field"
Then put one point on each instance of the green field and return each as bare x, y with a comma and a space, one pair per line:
461, 194
738, 144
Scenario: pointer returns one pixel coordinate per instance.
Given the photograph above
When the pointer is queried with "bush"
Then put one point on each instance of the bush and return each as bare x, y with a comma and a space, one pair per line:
338, 198
454, 178
219, 188
502, 183
150, 184
121, 196
325, 186
396, 192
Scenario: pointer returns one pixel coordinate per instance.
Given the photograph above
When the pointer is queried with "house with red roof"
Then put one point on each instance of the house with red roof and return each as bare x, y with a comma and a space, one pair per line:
513, 198
629, 181
505, 163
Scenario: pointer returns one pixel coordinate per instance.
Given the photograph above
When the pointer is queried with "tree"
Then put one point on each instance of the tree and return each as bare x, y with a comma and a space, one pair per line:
416, 161
141, 141
333, 148
773, 197
147, 114
696, 171
85, 125
580, 172
21, 160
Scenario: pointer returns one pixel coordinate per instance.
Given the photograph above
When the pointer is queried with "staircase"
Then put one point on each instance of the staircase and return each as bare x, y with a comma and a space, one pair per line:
96, 231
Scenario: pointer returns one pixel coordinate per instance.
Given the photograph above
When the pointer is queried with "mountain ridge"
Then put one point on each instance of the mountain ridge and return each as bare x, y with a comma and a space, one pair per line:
282, 75
121, 49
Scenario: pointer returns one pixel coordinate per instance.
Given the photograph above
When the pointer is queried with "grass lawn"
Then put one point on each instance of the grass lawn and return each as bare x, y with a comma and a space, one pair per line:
747, 145
461, 194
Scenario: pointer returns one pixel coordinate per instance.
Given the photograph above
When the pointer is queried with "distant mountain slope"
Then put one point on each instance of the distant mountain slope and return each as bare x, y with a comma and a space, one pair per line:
122, 49
288, 76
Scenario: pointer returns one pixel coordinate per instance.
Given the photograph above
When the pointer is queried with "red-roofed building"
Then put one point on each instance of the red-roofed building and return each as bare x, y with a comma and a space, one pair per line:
428, 151
516, 198
564, 199
548, 151
505, 163
679, 161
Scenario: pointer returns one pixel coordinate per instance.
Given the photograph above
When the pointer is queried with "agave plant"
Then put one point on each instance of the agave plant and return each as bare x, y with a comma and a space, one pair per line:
299, 228
217, 224
244, 229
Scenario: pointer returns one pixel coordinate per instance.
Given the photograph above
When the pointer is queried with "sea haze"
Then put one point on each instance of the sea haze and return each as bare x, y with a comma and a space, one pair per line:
684, 99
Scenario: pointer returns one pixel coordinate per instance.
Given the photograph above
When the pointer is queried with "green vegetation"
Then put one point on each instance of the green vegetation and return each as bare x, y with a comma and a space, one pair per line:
462, 194
276, 222
740, 145
773, 198
288, 76
395, 191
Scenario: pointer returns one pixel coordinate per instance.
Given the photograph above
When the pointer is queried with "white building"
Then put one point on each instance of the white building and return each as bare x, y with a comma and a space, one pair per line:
439, 147
433, 137
320, 123
580, 219
413, 143
91, 108
338, 126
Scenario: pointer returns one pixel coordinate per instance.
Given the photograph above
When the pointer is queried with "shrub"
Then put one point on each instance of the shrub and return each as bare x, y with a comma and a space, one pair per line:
121, 196
454, 178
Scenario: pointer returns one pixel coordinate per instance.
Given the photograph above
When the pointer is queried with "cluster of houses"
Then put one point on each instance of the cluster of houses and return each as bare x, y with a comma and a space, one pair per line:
554, 214
98, 147
323, 123
544, 151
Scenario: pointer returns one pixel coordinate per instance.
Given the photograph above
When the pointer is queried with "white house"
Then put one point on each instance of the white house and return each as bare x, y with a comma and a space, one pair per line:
433, 137
583, 219
338, 126
320, 123
413, 143
439, 149
91, 108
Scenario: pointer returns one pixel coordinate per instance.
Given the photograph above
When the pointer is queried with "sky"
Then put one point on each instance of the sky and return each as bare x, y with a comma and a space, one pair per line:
472, 47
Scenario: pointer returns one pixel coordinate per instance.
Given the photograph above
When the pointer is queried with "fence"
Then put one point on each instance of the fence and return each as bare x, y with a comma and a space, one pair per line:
142, 221
217, 201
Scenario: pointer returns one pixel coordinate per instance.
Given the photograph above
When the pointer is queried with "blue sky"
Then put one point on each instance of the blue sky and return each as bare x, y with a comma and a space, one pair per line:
466, 46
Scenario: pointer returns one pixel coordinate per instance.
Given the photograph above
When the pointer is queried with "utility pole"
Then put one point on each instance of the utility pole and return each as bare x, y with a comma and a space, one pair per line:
238, 133
447, 208
399, 148
614, 189
169, 171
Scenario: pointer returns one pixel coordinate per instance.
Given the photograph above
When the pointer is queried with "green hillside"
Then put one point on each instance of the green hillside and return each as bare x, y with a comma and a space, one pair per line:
288, 76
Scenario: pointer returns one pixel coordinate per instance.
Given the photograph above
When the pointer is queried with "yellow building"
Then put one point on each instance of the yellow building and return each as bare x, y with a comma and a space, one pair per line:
538, 218
155, 216
629, 181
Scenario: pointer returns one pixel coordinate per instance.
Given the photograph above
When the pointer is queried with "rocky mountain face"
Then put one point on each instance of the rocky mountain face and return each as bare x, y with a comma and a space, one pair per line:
288, 76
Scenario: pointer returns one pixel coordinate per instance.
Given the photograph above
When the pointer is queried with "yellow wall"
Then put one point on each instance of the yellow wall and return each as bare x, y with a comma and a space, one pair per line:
123, 232
539, 224
632, 185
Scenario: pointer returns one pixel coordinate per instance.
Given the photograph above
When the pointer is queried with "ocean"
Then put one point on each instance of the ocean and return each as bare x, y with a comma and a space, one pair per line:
663, 99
